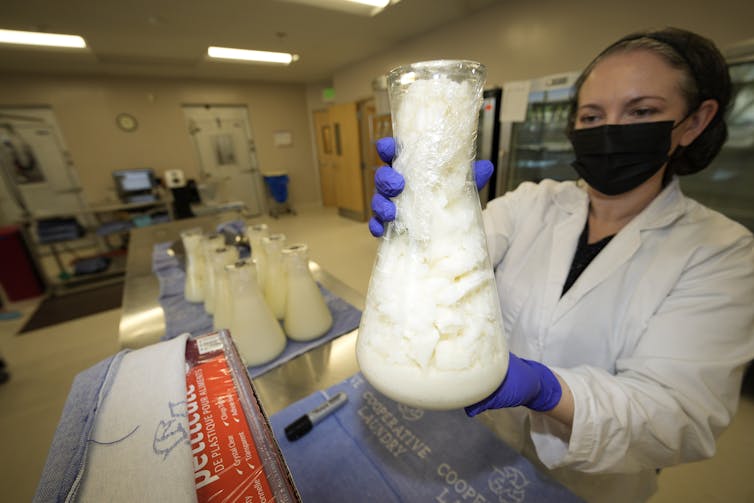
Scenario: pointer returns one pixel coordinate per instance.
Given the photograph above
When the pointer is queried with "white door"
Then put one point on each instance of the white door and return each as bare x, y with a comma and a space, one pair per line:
38, 176
227, 155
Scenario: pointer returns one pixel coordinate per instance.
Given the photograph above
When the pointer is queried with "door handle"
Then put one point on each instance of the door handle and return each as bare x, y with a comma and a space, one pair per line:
338, 151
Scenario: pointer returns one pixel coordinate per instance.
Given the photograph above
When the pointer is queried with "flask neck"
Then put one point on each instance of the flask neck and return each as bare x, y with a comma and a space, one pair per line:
211, 243
256, 233
273, 245
296, 258
242, 277
191, 243
223, 257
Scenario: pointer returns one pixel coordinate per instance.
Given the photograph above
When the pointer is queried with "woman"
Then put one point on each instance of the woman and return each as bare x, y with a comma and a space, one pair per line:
629, 306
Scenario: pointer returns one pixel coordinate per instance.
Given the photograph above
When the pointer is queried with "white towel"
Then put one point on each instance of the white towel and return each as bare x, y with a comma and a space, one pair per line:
139, 448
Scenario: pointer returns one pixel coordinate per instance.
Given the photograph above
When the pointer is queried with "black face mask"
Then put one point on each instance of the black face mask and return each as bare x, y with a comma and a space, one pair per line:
618, 158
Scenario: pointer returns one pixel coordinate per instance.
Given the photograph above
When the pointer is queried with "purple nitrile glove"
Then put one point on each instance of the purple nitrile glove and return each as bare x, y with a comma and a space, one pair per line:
385, 149
390, 183
527, 383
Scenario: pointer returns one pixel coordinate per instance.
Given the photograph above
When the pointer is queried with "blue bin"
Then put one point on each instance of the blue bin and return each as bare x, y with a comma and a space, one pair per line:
278, 187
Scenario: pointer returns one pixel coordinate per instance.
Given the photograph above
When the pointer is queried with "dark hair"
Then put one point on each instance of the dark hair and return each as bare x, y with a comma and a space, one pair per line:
705, 76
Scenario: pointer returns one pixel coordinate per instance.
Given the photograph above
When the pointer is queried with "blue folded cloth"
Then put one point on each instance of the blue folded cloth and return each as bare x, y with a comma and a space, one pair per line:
52, 230
55, 236
232, 227
182, 316
90, 265
114, 227
67, 455
161, 259
374, 449
160, 218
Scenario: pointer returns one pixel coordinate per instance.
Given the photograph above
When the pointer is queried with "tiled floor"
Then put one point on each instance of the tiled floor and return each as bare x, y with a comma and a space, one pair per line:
43, 364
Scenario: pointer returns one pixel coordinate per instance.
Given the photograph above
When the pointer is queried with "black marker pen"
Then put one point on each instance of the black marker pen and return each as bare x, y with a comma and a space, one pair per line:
304, 424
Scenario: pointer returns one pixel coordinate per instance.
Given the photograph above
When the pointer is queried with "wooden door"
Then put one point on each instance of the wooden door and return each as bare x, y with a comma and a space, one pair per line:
373, 127
366, 114
325, 156
347, 157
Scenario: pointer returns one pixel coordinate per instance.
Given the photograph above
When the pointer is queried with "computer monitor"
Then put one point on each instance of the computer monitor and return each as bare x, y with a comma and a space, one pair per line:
135, 185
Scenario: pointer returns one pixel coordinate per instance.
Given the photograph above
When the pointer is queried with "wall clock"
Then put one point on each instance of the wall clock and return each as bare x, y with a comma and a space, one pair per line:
126, 122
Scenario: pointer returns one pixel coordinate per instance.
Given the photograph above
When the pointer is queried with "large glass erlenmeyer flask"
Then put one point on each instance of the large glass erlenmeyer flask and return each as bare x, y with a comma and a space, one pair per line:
193, 290
255, 233
274, 275
254, 329
431, 335
306, 313
209, 243
221, 294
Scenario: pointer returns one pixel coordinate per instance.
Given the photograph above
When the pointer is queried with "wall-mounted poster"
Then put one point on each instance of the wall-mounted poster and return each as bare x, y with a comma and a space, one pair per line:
223, 147
282, 139
24, 167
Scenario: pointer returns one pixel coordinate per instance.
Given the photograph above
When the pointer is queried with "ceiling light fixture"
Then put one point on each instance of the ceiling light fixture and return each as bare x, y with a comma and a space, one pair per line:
374, 3
358, 7
279, 58
41, 39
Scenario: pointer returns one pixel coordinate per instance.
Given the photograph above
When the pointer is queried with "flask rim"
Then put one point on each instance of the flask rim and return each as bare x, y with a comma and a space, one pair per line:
295, 248
397, 75
240, 264
192, 232
273, 238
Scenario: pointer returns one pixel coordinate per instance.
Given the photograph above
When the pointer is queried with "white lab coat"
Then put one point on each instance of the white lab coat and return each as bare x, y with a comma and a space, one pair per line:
651, 339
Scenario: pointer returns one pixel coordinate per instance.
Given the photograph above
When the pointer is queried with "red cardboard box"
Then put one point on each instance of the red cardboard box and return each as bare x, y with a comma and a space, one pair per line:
235, 454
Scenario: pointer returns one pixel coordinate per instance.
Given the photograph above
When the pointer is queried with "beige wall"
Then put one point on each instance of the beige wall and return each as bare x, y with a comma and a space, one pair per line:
86, 108
523, 39
515, 39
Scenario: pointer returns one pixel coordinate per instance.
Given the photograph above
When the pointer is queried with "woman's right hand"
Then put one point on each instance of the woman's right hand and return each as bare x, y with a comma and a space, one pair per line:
389, 183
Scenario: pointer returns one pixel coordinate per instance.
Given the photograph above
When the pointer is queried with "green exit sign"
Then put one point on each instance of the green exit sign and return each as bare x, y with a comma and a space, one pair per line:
328, 94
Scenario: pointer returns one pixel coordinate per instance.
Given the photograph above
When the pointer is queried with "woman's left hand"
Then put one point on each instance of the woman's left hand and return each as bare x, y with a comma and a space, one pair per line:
527, 383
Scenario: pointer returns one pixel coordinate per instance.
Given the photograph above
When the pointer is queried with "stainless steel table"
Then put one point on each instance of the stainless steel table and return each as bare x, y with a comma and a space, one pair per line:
143, 321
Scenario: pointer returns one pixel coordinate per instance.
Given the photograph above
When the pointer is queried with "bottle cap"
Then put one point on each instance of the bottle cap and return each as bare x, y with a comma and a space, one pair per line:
298, 428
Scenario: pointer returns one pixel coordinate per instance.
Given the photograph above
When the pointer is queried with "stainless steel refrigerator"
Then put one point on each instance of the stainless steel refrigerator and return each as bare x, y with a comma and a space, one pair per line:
727, 185
533, 141
488, 138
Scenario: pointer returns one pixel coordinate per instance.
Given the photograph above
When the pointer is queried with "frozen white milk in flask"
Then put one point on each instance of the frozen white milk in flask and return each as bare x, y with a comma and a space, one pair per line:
253, 327
193, 290
306, 313
431, 335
